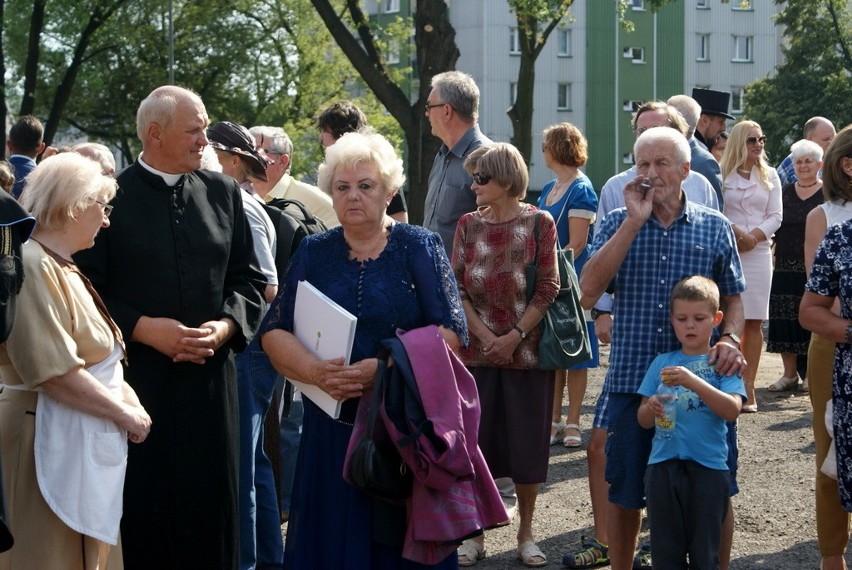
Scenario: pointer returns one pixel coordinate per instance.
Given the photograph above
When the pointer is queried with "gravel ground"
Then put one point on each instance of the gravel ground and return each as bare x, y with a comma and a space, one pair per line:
775, 526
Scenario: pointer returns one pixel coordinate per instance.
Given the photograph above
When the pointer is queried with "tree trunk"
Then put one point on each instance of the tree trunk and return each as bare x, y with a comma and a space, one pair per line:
63, 90
33, 52
521, 112
434, 38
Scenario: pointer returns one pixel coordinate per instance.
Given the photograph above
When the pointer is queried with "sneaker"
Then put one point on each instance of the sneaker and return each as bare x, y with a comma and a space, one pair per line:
642, 560
593, 554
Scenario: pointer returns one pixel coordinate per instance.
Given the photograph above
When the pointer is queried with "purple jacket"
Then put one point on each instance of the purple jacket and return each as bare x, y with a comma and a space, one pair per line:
453, 495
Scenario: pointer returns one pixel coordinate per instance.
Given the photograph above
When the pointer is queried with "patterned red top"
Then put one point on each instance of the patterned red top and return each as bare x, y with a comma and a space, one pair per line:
490, 260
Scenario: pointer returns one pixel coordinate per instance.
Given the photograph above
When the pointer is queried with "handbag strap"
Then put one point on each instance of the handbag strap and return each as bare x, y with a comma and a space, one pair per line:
375, 400
564, 205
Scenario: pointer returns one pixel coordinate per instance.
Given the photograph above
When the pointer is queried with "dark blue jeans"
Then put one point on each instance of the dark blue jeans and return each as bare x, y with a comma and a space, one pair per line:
260, 524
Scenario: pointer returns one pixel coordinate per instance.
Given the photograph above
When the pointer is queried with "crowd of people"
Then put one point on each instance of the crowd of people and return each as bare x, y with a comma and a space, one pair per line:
153, 306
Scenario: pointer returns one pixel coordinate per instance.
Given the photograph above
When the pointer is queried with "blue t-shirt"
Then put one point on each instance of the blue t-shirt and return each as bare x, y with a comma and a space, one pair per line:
699, 435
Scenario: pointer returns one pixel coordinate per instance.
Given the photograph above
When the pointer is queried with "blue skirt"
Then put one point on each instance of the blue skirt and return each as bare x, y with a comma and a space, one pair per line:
333, 524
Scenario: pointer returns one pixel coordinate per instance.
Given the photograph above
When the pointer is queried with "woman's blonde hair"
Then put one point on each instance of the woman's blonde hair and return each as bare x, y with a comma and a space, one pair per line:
354, 148
502, 162
736, 153
62, 186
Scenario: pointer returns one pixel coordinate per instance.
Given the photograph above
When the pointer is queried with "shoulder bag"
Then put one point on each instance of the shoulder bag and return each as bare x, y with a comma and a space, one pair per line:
564, 336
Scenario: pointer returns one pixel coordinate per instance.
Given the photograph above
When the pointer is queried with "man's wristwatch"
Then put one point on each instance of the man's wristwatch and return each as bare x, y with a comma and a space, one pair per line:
520, 332
596, 313
733, 337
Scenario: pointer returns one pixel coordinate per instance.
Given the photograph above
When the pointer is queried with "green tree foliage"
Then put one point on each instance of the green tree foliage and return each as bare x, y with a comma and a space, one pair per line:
814, 78
253, 62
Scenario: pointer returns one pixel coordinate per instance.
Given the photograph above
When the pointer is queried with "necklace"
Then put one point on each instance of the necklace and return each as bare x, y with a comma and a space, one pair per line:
744, 170
814, 183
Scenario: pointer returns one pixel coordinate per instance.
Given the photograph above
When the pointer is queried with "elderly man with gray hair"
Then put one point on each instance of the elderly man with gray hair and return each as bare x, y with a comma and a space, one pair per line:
274, 144
99, 153
626, 259
453, 110
701, 161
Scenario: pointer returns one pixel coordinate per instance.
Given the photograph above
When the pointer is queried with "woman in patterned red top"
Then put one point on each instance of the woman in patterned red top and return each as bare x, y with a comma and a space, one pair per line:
492, 248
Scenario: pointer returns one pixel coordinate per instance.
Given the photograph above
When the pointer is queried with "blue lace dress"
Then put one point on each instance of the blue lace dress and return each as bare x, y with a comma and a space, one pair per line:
832, 277
411, 284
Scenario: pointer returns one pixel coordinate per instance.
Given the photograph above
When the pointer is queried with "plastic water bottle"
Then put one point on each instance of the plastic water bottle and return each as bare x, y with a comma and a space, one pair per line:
665, 425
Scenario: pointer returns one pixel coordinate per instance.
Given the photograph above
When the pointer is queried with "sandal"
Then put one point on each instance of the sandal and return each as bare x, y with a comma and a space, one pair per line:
528, 552
470, 552
784, 384
642, 560
557, 431
573, 440
594, 553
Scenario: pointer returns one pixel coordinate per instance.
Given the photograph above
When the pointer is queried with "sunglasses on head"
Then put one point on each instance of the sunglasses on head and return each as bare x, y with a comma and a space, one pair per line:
754, 140
481, 179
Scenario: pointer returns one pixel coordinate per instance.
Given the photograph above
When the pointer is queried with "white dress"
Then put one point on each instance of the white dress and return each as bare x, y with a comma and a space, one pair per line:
749, 205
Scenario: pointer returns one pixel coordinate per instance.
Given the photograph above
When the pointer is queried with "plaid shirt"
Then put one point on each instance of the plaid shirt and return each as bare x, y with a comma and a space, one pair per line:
699, 242
786, 172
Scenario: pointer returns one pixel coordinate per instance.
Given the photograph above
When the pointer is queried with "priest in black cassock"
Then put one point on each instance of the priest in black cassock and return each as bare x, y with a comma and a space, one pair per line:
178, 273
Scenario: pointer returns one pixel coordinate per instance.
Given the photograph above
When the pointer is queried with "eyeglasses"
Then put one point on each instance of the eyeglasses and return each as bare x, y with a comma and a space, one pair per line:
107, 208
754, 140
481, 179
429, 107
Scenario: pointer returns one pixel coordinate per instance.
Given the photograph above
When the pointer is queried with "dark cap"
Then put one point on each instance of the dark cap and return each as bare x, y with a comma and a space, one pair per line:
713, 102
236, 139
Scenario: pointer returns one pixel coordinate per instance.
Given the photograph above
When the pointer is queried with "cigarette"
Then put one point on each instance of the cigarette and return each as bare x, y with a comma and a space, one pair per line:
646, 184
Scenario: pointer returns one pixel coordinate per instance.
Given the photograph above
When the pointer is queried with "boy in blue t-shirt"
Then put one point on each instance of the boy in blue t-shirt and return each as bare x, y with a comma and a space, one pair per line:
687, 482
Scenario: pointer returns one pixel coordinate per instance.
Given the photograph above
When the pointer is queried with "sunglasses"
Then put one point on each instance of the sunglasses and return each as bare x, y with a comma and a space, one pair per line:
754, 140
481, 179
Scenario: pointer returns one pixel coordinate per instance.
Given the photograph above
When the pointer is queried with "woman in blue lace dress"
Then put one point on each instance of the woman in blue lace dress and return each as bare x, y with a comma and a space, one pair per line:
831, 281
389, 275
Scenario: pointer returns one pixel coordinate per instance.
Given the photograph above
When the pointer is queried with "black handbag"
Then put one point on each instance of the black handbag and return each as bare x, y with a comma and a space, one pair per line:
564, 336
376, 467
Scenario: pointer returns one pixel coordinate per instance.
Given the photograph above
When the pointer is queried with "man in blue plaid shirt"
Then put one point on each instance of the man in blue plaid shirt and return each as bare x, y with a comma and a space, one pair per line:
640, 252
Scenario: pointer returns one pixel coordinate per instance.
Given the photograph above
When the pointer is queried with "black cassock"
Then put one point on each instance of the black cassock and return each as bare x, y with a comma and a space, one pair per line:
185, 253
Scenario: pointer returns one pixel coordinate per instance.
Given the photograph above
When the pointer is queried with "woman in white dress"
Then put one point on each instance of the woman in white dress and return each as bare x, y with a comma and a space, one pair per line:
752, 192
65, 410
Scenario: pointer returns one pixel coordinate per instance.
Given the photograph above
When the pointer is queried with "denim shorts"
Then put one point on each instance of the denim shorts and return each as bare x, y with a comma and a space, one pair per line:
733, 455
600, 420
628, 447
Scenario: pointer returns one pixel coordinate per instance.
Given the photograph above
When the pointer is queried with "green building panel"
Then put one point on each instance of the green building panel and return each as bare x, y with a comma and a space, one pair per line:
626, 69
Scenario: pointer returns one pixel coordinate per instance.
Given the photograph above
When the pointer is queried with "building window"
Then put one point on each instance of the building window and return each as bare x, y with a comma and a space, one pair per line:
627, 158
742, 5
390, 6
637, 55
637, 4
632, 105
563, 42
702, 4
392, 54
563, 96
743, 46
514, 41
702, 48
737, 100
513, 92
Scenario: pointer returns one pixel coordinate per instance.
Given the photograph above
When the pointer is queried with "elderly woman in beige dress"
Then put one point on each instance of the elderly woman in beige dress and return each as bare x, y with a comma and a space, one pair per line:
65, 411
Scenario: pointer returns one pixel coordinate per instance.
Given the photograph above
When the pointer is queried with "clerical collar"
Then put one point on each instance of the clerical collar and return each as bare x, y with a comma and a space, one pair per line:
169, 179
